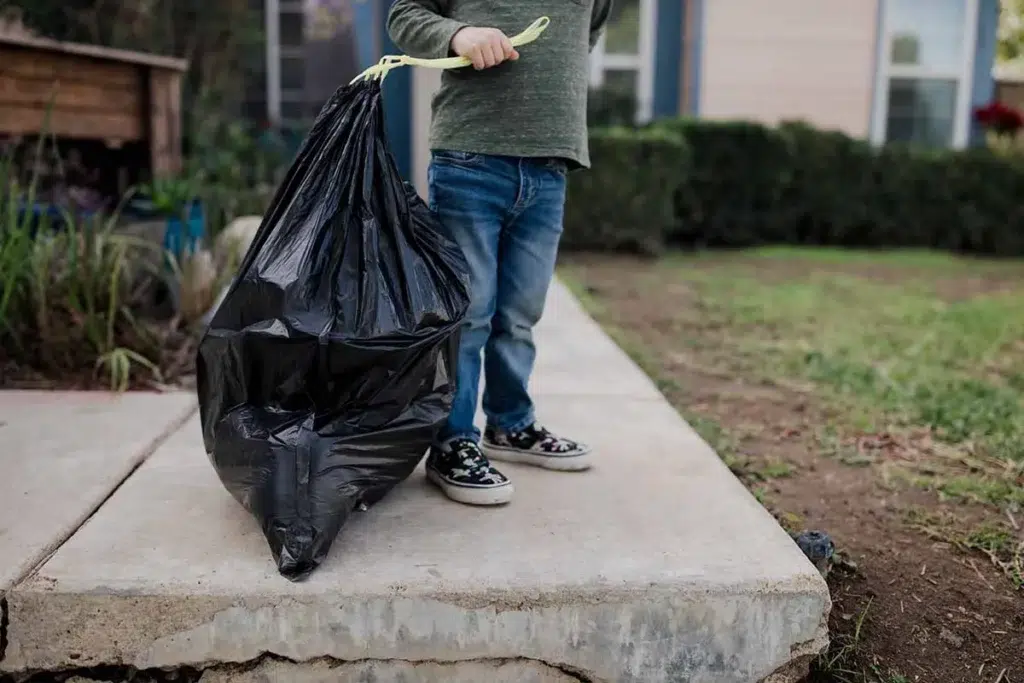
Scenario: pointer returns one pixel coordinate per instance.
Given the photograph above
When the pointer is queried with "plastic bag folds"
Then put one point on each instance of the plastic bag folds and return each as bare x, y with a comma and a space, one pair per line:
328, 367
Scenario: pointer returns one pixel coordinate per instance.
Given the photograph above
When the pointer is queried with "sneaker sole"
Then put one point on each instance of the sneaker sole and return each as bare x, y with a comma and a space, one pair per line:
559, 463
468, 495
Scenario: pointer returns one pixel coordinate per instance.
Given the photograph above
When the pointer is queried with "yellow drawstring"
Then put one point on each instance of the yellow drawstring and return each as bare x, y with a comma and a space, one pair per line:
387, 63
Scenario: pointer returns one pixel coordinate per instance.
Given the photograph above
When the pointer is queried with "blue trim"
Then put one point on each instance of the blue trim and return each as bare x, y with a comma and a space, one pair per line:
876, 72
668, 57
364, 19
397, 102
695, 54
983, 88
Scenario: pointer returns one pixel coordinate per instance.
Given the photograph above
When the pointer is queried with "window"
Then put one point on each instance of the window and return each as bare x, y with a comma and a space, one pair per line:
293, 72
623, 60
293, 25
311, 47
925, 60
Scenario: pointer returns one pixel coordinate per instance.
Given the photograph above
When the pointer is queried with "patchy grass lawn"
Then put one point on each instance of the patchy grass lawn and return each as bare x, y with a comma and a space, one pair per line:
876, 396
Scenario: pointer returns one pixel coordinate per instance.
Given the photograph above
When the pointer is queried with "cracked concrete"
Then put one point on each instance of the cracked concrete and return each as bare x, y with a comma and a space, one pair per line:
796, 670
651, 636
395, 671
3, 627
269, 669
62, 454
655, 567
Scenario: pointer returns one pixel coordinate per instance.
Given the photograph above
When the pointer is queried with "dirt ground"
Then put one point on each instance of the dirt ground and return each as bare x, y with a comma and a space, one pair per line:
919, 593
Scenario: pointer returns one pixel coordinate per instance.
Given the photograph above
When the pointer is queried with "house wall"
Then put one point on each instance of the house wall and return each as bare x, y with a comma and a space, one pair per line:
425, 83
983, 88
789, 59
1010, 92
398, 91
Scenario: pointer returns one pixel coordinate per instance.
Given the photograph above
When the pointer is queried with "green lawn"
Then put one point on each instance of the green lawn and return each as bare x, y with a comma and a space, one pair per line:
898, 376
902, 344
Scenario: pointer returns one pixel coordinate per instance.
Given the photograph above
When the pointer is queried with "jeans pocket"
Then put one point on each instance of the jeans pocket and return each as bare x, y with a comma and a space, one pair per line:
458, 158
557, 166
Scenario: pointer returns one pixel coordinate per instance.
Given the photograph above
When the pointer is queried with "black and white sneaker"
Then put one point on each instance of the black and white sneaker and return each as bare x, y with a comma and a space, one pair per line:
462, 471
536, 446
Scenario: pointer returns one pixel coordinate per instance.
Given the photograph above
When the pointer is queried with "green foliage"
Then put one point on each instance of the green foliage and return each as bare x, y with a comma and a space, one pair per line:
796, 185
236, 169
222, 40
74, 296
626, 201
171, 196
1010, 43
611, 107
745, 184
228, 169
721, 153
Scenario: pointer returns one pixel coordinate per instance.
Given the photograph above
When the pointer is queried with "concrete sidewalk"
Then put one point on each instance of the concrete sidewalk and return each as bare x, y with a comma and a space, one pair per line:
655, 566
62, 454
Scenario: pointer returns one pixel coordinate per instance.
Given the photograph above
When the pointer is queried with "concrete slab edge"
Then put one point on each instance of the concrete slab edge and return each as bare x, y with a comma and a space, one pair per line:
204, 633
329, 670
41, 558
4, 625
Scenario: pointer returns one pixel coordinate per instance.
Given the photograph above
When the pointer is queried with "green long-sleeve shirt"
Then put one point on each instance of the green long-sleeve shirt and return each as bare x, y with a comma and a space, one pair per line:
535, 106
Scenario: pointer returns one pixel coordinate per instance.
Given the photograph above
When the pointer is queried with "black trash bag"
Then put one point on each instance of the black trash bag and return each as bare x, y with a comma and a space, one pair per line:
329, 366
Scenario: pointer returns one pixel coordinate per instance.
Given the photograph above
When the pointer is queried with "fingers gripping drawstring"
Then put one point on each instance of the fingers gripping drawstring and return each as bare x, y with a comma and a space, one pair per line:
381, 69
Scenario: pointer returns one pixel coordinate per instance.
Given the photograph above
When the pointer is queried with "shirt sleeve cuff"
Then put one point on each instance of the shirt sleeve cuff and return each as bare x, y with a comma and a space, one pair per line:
446, 30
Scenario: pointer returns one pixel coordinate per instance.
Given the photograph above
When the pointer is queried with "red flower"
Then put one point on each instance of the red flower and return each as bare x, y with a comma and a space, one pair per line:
999, 117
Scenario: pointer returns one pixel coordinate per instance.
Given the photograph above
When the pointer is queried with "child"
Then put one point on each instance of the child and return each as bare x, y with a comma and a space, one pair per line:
504, 134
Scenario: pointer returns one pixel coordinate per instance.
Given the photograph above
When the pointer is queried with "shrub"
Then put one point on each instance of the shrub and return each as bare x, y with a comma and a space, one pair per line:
611, 107
65, 311
625, 202
75, 299
744, 184
714, 206
236, 169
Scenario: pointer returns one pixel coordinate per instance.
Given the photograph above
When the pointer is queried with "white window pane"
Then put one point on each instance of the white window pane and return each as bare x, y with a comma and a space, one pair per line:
927, 33
623, 31
921, 111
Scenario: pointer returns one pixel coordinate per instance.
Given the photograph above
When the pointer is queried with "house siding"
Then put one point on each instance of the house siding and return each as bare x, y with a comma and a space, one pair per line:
810, 60
668, 57
692, 31
398, 103
983, 87
425, 83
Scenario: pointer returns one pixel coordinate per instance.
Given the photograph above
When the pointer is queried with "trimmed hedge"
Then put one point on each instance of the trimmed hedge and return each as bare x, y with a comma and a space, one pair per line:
627, 202
744, 184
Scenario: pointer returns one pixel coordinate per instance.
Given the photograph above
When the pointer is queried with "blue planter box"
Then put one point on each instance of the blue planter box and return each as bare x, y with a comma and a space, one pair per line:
186, 236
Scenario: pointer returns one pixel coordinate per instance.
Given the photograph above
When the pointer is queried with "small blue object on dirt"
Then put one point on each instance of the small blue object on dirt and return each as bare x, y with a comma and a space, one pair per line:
818, 547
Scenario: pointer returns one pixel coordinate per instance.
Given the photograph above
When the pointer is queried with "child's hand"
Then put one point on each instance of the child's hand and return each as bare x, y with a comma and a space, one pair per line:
485, 47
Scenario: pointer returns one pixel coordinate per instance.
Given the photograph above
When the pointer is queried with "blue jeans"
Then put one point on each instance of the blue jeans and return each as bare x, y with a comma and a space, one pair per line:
506, 215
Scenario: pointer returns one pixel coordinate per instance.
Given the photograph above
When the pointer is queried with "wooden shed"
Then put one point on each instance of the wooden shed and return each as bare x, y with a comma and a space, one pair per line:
88, 92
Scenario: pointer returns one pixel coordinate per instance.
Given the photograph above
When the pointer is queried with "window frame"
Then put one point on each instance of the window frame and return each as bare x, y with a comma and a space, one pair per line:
963, 75
601, 61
